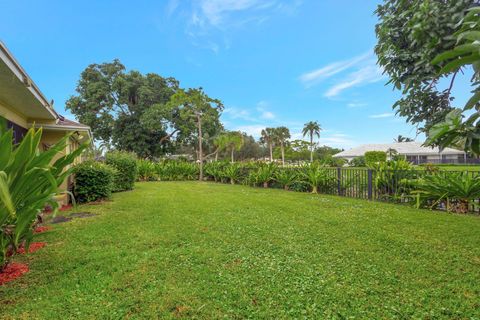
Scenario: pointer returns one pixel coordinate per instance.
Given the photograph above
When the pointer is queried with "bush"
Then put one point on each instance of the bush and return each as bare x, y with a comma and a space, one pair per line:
146, 170
125, 165
372, 157
358, 162
93, 181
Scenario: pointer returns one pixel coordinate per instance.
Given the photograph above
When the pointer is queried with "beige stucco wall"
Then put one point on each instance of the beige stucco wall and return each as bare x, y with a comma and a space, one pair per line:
13, 116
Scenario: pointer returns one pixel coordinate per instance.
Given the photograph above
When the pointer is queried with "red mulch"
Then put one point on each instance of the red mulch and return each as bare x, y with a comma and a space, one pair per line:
12, 271
34, 246
66, 207
42, 229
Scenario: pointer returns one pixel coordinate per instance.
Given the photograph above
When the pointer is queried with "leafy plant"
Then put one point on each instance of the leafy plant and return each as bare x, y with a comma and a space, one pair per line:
394, 179
457, 191
264, 174
233, 172
214, 170
373, 157
286, 177
29, 179
314, 175
93, 181
125, 165
146, 170
358, 162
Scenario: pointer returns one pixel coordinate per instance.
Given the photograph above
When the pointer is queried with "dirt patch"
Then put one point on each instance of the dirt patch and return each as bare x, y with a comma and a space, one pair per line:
34, 246
12, 272
60, 219
82, 215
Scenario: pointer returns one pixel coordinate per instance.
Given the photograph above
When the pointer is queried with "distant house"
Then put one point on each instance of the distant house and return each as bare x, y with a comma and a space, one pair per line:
23, 106
411, 151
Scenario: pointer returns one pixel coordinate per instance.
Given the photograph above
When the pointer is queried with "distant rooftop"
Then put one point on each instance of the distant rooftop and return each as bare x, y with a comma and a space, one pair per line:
404, 148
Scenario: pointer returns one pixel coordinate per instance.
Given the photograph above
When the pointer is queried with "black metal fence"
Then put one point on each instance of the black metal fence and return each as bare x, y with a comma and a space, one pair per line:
383, 185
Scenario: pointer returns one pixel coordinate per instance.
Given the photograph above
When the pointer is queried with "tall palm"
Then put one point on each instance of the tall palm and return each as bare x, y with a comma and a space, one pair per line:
311, 128
268, 135
234, 142
281, 136
401, 138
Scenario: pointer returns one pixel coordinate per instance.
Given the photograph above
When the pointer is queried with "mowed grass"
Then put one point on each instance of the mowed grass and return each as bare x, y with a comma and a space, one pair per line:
207, 251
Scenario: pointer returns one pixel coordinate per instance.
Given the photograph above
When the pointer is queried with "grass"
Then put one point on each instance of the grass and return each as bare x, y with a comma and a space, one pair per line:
206, 251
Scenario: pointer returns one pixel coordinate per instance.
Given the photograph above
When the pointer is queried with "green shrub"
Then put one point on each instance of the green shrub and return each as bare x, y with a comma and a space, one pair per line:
125, 165
358, 162
93, 181
372, 157
457, 192
232, 172
316, 176
146, 170
286, 177
177, 170
28, 181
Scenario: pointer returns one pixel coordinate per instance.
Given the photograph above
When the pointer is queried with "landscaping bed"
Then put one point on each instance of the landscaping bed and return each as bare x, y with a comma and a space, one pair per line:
207, 250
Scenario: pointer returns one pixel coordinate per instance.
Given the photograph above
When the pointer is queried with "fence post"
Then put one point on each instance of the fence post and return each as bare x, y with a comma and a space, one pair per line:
370, 185
339, 184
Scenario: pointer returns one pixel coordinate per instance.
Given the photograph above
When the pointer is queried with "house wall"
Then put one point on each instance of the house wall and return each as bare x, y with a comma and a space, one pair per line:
13, 116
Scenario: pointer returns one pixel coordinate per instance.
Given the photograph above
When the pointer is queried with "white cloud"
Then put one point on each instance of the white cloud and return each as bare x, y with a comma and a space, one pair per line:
313, 77
262, 107
356, 105
252, 130
368, 74
381, 115
216, 12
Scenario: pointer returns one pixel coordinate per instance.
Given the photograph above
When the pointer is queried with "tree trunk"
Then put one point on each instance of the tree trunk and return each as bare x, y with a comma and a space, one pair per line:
265, 184
283, 154
216, 156
285, 187
271, 151
315, 189
200, 148
311, 147
232, 181
233, 160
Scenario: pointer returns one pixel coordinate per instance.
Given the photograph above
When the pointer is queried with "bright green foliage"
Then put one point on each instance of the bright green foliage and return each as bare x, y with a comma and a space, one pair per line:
176, 170
311, 128
373, 157
358, 162
268, 139
455, 131
264, 174
93, 181
315, 176
28, 181
394, 180
456, 191
411, 33
125, 165
286, 177
214, 170
281, 136
146, 170
173, 251
233, 172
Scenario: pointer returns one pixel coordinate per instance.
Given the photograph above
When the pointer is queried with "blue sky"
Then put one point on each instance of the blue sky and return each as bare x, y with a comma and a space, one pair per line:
271, 62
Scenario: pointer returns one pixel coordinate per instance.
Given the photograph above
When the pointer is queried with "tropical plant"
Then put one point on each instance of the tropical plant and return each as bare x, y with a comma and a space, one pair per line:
358, 162
281, 136
314, 175
401, 138
177, 170
456, 191
394, 179
373, 157
93, 181
214, 170
268, 138
264, 174
29, 179
286, 177
146, 170
312, 128
232, 172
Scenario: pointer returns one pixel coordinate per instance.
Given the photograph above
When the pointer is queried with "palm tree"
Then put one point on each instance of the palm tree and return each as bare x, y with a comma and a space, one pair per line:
234, 141
311, 128
401, 138
268, 139
281, 135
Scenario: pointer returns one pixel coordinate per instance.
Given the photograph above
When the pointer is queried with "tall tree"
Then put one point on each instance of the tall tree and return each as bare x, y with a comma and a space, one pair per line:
311, 128
411, 33
281, 136
268, 138
113, 102
194, 104
234, 143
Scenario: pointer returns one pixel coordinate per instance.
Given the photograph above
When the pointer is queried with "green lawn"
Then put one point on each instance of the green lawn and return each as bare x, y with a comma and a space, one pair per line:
206, 251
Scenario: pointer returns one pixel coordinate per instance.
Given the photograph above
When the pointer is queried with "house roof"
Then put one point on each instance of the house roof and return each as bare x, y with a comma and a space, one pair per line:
404, 148
18, 89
